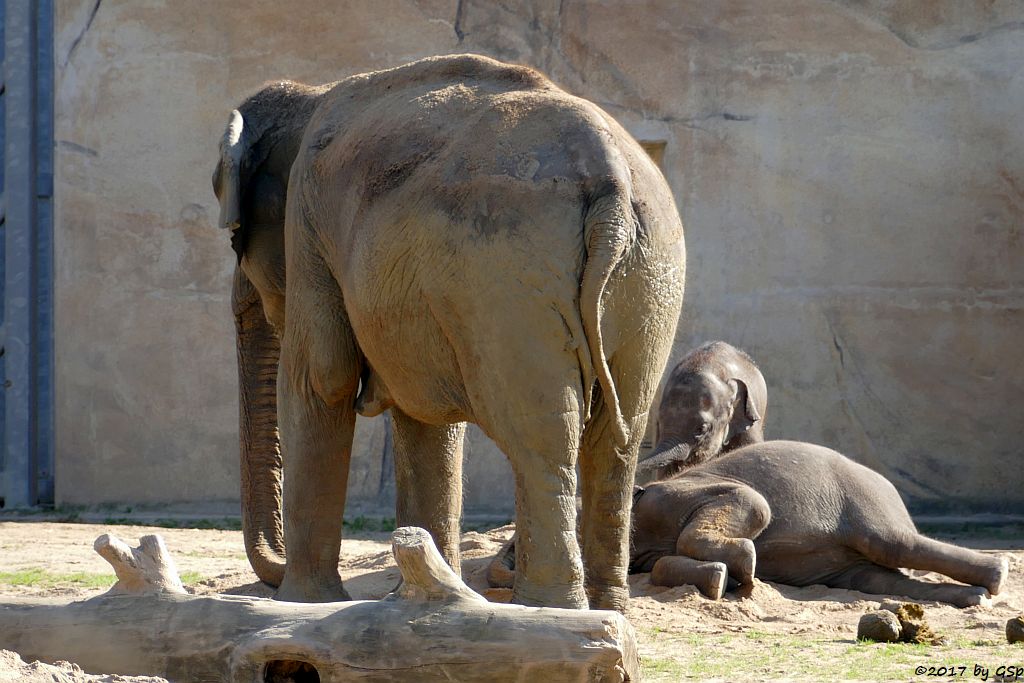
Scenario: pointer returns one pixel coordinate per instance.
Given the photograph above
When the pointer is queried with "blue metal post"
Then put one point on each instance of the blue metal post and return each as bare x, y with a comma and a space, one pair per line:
27, 343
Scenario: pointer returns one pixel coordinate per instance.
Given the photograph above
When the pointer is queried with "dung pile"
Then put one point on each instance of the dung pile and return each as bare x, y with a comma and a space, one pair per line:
898, 623
1015, 630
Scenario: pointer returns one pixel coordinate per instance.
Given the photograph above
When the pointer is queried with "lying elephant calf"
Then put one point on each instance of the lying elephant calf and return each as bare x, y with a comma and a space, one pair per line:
804, 515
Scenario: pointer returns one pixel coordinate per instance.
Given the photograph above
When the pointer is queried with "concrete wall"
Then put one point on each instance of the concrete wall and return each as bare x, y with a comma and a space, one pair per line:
850, 174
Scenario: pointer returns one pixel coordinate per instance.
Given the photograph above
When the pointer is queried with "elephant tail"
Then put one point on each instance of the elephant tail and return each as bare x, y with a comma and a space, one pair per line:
609, 230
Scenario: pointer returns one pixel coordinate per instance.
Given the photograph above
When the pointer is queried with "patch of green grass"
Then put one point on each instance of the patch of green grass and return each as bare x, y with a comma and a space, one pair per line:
361, 523
223, 524
189, 578
35, 577
763, 655
655, 668
40, 578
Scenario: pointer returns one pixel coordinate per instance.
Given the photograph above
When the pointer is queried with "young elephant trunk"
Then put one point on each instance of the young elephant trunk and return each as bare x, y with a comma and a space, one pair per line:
258, 354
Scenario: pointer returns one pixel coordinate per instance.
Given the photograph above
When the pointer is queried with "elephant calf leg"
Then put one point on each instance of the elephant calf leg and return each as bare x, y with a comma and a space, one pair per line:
961, 564
913, 551
722, 530
675, 570
871, 578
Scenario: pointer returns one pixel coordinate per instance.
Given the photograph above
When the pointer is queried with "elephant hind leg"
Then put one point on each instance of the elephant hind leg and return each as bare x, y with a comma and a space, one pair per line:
543, 450
608, 470
911, 550
722, 529
871, 578
428, 479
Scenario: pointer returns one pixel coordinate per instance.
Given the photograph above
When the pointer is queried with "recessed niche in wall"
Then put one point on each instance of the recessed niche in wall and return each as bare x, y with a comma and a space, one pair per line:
655, 149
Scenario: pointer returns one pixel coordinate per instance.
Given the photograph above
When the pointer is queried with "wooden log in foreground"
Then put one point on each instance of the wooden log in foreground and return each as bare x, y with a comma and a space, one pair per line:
434, 628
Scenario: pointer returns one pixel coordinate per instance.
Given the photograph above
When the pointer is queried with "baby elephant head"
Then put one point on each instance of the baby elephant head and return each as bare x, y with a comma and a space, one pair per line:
701, 415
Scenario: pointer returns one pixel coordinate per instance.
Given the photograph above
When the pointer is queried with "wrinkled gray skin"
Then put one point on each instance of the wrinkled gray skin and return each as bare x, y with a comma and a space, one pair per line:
714, 401
797, 514
463, 242
251, 184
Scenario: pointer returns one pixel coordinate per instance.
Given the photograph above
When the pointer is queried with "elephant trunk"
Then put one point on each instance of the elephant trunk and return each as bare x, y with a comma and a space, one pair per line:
258, 354
668, 458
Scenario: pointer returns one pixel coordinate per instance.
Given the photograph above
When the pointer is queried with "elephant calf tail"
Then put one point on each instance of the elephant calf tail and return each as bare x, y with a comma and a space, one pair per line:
609, 230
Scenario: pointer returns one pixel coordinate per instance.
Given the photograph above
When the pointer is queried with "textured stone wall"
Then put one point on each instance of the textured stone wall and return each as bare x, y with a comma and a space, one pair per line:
850, 174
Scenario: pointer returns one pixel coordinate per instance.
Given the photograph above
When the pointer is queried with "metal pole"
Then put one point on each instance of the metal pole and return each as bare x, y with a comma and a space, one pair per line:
20, 486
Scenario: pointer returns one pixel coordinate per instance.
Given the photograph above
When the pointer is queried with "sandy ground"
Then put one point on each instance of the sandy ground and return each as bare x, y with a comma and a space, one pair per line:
767, 632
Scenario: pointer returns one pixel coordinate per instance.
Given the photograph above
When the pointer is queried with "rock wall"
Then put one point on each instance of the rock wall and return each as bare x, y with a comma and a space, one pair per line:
850, 174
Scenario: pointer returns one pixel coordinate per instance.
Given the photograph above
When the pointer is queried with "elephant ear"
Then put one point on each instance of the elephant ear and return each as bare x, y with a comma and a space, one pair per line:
227, 180
744, 419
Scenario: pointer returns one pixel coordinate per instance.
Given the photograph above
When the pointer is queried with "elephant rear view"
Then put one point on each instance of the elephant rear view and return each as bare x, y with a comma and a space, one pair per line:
466, 242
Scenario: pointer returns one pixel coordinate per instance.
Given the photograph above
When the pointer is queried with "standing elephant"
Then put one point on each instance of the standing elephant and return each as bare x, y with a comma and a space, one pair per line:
463, 241
714, 401
798, 514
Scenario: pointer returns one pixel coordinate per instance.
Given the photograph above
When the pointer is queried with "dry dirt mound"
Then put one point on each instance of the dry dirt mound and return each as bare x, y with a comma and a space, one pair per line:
14, 670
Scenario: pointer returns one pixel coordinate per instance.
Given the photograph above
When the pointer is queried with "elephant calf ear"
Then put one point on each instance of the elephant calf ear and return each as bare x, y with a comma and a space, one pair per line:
743, 397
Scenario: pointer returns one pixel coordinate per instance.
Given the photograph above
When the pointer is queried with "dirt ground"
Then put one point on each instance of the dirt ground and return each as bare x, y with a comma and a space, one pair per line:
769, 632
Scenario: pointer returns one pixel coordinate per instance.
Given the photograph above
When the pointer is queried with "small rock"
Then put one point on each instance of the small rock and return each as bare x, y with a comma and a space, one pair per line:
891, 605
881, 626
1015, 630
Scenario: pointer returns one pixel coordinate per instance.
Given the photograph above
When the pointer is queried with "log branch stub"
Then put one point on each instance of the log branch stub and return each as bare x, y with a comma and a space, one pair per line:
425, 574
147, 569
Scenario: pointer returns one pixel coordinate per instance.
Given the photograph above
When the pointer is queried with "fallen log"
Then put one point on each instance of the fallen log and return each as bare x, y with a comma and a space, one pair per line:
433, 628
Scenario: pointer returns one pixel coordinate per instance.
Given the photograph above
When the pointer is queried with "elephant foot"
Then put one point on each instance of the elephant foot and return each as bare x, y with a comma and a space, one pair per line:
311, 590
501, 572
609, 597
569, 597
709, 578
744, 565
998, 576
972, 596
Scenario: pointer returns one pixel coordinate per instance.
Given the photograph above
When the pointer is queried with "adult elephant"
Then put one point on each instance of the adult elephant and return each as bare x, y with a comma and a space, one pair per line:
463, 241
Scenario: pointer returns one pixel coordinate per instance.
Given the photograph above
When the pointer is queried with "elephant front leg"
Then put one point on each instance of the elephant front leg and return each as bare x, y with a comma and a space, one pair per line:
317, 442
722, 529
317, 383
428, 480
